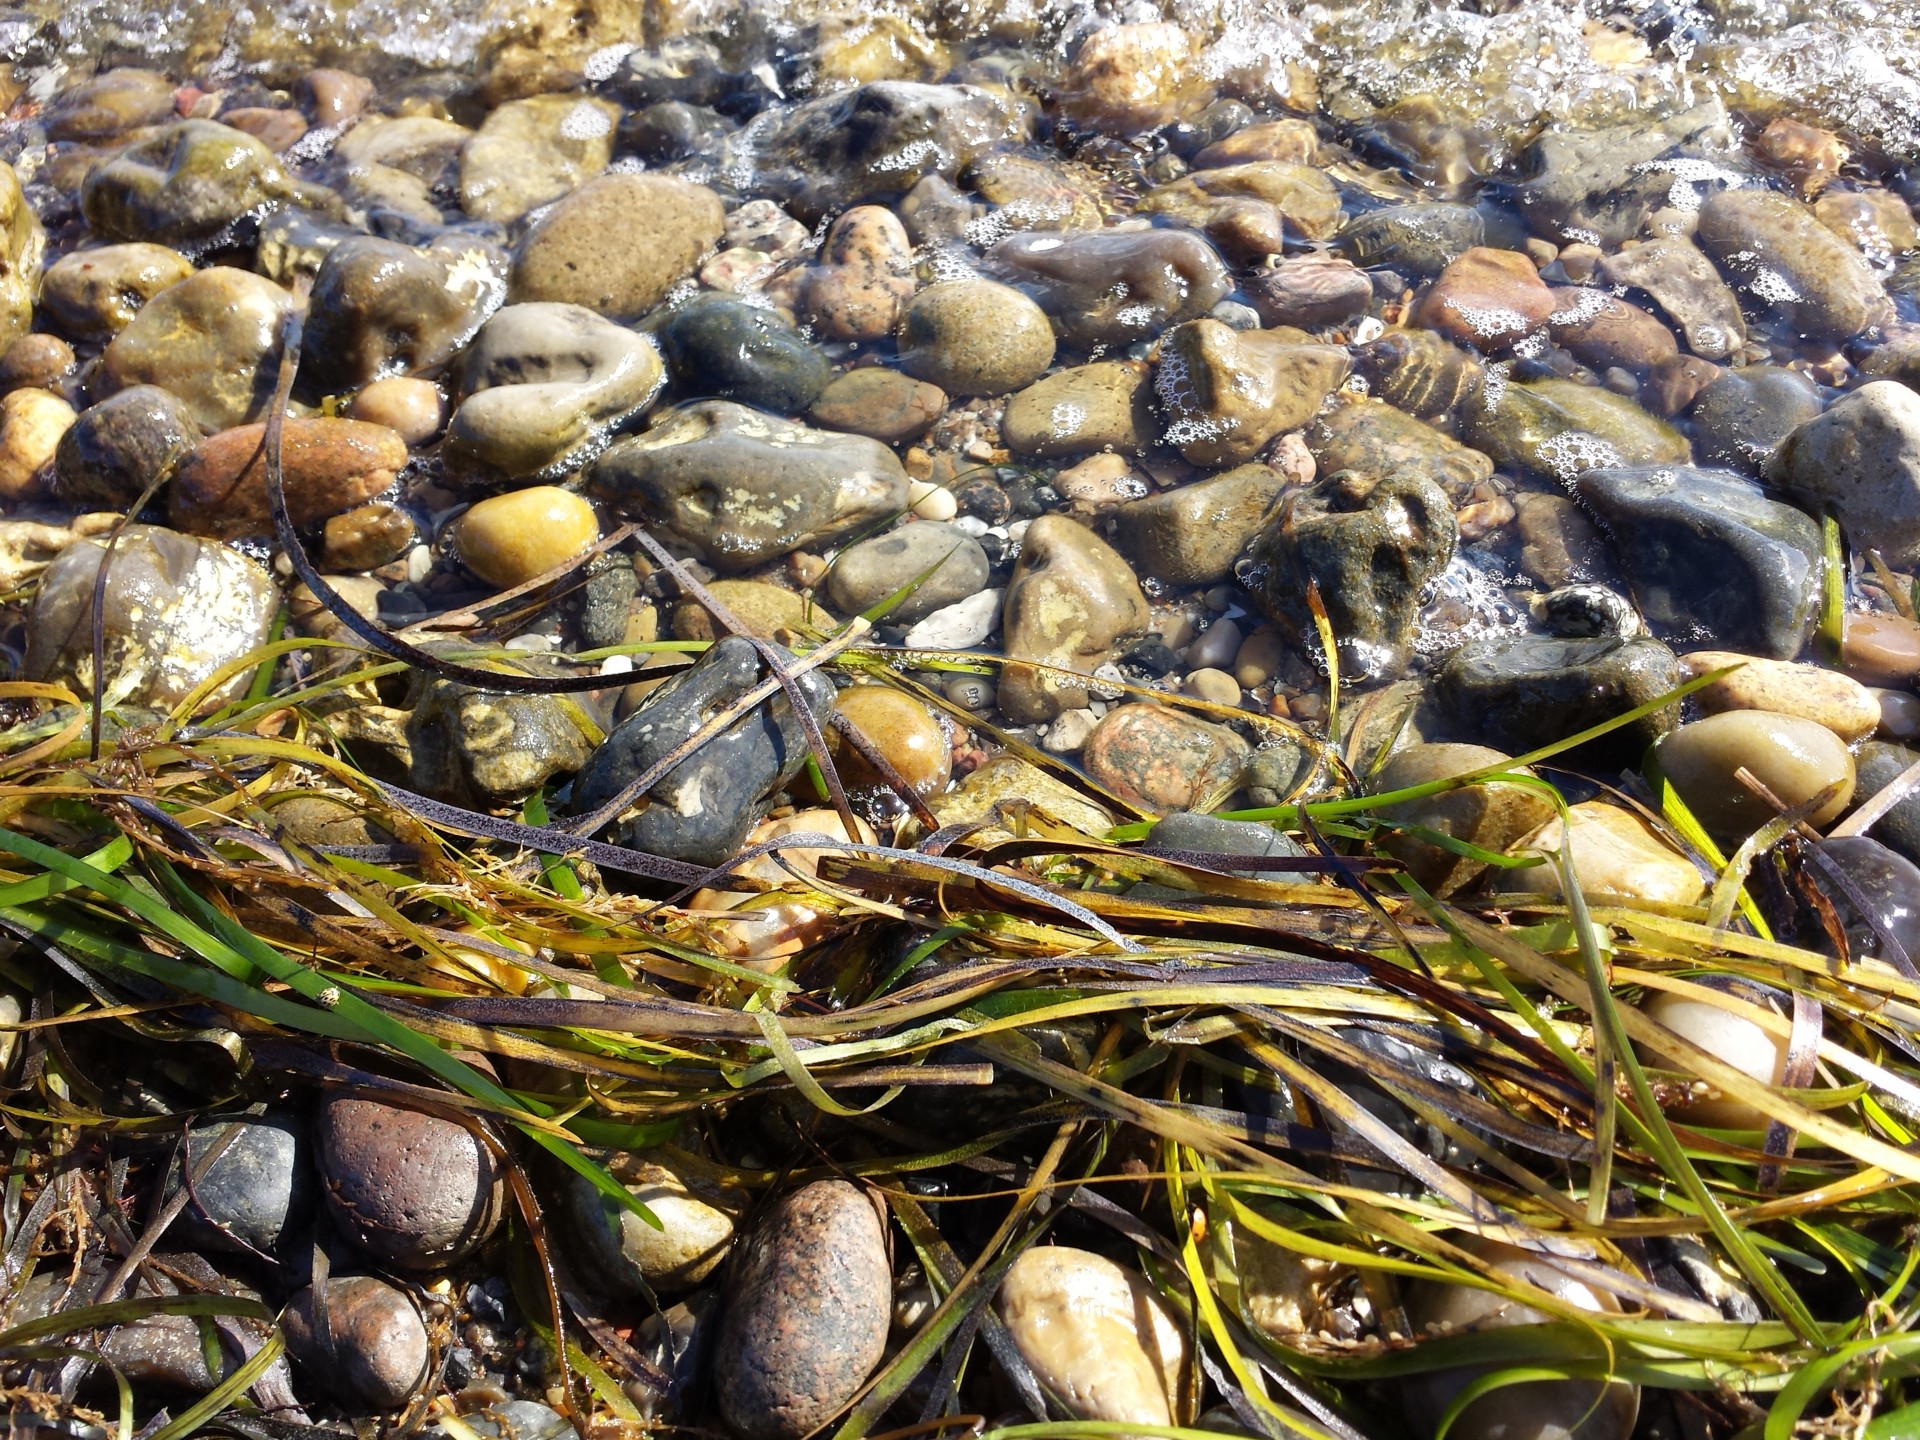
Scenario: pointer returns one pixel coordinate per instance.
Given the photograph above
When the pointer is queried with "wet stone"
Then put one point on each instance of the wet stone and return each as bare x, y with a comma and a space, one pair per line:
1705, 552
1492, 816
1070, 601
704, 806
763, 609
1862, 457
1520, 692
1826, 697
1792, 263
1599, 184
1794, 758
1612, 852
528, 152
1877, 765
509, 1420
381, 309
185, 185
1161, 759
366, 537
414, 409
1602, 330
111, 104
1251, 211
865, 574
1881, 649
1114, 287
744, 487
1374, 439
1417, 371
541, 386
1372, 550
975, 337
1226, 394
1682, 281
116, 449
901, 729
1740, 418
622, 1254
178, 609
366, 1340
618, 244
879, 403
1876, 897
1107, 405
213, 340
864, 278
477, 747
509, 539
1191, 535
1133, 77
1209, 835
1559, 428
1034, 194
92, 294
1312, 292
413, 1190
726, 348
327, 466
32, 423
1487, 299
1420, 239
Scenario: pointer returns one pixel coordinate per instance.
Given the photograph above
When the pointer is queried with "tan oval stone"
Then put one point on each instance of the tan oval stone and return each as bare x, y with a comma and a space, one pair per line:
1730, 1038
975, 337
31, 424
328, 466
1794, 758
1015, 786
414, 409
1613, 852
1491, 816
1881, 649
1826, 697
92, 294
902, 729
1069, 601
1097, 1335
764, 609
508, 539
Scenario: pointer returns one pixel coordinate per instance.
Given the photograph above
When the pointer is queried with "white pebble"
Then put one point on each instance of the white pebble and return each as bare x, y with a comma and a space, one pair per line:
971, 525
959, 626
617, 665
1068, 735
419, 564
531, 644
1017, 531
930, 501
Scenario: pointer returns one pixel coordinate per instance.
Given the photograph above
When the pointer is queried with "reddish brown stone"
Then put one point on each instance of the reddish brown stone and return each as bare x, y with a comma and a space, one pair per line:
411, 1189
1161, 759
1602, 330
1487, 298
276, 129
329, 466
1881, 650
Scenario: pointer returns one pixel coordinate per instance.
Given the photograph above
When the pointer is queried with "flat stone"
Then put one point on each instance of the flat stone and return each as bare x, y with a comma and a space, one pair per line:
1007, 785
1374, 439
1107, 405
1559, 429
1192, 534
1679, 278
1420, 239
1525, 691
1251, 211
1793, 264
1742, 416
618, 244
879, 403
1108, 287
1488, 299
948, 564
1881, 649
763, 609
528, 152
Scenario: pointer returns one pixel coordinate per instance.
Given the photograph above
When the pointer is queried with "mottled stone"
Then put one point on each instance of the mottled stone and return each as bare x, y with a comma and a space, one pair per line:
1069, 602
528, 152
864, 278
1374, 439
415, 1191
1558, 429
1826, 697
1159, 759
1862, 457
1793, 264
1682, 281
1491, 816
975, 337
618, 243
93, 294
1421, 239
1107, 405
1251, 211
381, 309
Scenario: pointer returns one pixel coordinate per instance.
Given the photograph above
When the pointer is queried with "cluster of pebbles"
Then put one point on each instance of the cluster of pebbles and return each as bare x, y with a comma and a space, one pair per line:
1107, 369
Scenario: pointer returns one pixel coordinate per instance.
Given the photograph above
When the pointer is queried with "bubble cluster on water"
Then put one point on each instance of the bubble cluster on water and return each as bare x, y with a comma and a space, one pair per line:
1468, 602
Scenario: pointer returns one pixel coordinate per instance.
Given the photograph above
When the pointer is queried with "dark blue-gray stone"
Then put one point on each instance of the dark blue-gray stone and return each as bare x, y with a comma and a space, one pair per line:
1876, 894
257, 1189
1520, 692
734, 351
1709, 558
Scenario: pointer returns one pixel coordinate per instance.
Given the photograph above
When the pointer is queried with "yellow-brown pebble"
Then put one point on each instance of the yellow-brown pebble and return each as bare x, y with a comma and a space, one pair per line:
31, 424
1826, 697
509, 539
413, 409
903, 730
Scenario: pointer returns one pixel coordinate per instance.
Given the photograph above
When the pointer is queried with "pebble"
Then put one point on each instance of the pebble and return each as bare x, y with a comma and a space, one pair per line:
1862, 457
1160, 759
618, 244
1259, 658
1227, 393
1097, 1335
1192, 534
92, 294
1491, 816
528, 152
1251, 211
880, 403
1829, 292
367, 1341
178, 609
1899, 714
728, 348
1003, 788
32, 423
1525, 691
1114, 287
380, 309
367, 537
743, 487
948, 565
509, 539
1793, 757
38, 361
1107, 405
474, 747
1740, 418
1558, 429
1826, 697
184, 184
1215, 650
109, 104
762, 609
1070, 600
902, 729
974, 337
702, 809
962, 625
1374, 440
1488, 299
1728, 1037
1601, 330
1679, 278
864, 278
213, 340
1880, 899
257, 1191
413, 1190
1532, 1409
328, 467
1881, 649
1613, 852
1423, 238
622, 1255
1213, 685
807, 1313
933, 502
414, 409
541, 386
1313, 292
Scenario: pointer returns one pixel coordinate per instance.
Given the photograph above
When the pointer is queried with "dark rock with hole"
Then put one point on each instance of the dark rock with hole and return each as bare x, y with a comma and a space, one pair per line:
807, 1314
367, 1344
1705, 552
413, 1190
703, 807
